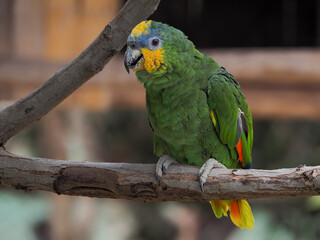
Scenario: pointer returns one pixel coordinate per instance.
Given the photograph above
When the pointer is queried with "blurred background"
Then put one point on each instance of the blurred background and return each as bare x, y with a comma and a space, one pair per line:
272, 47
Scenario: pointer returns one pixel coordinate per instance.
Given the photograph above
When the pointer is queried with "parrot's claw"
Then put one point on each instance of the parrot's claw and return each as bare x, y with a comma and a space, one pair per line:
159, 178
206, 169
162, 166
201, 186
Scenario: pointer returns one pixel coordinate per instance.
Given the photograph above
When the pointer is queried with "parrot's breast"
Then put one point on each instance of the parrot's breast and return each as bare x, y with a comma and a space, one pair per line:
180, 117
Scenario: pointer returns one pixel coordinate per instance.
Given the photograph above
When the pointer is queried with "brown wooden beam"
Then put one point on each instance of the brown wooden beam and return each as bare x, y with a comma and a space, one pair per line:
277, 83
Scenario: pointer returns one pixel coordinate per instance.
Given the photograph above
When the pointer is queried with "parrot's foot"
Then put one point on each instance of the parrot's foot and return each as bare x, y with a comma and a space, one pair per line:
162, 165
206, 169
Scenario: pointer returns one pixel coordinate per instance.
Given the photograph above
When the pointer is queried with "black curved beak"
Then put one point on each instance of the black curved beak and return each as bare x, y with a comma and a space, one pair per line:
131, 58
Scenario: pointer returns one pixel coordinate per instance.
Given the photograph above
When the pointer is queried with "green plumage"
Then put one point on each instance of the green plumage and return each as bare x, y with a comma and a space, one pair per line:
180, 96
196, 109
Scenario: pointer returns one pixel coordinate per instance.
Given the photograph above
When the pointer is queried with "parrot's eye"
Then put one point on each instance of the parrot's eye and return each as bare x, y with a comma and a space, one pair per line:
155, 42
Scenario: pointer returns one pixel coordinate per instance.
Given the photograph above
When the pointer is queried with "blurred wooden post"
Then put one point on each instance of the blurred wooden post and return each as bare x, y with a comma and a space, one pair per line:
53, 145
6, 21
79, 146
62, 136
71, 25
28, 37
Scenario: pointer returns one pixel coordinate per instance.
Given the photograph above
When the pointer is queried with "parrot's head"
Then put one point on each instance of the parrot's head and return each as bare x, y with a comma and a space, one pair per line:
154, 48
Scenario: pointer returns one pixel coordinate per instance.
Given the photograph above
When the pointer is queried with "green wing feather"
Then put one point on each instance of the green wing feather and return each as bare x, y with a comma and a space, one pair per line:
232, 115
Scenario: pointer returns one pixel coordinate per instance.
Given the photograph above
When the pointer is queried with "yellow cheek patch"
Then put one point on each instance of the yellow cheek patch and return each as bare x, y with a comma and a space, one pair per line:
152, 59
140, 29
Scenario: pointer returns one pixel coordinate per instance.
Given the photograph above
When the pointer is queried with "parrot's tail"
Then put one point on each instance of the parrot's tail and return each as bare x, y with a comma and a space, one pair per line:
240, 212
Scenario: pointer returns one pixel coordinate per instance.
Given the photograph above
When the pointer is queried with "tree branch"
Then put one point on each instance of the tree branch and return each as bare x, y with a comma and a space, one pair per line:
91, 61
137, 181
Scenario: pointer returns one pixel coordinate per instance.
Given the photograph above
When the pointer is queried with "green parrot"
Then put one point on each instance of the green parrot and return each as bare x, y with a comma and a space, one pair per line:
196, 109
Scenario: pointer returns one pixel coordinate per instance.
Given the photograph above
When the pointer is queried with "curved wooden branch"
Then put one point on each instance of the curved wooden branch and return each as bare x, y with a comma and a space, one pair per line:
137, 181
91, 61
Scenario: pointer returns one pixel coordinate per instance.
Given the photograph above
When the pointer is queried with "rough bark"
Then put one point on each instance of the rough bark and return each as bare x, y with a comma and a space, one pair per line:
137, 181
91, 61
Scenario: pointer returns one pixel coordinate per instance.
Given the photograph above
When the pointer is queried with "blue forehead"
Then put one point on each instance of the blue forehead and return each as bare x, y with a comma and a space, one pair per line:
142, 40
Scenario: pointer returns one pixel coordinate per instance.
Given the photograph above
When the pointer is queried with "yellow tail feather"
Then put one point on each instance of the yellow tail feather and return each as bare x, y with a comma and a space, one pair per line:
219, 208
240, 212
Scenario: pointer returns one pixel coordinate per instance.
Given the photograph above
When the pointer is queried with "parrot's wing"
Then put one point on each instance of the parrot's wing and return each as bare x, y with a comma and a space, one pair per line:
230, 113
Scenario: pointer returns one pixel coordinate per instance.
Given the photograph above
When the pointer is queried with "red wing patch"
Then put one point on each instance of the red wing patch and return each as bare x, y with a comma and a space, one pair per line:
239, 150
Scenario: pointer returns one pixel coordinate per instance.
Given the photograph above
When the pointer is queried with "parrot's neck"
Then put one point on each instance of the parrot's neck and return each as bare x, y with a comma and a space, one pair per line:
172, 102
